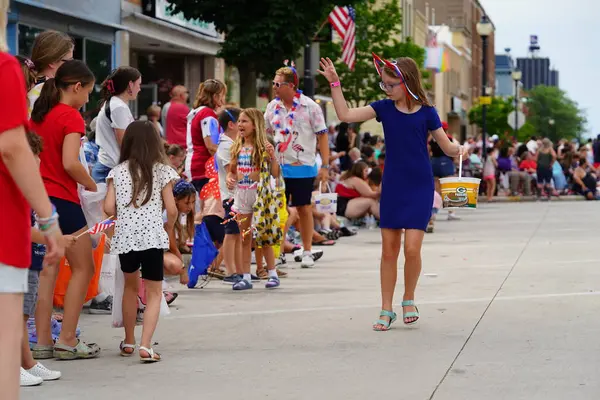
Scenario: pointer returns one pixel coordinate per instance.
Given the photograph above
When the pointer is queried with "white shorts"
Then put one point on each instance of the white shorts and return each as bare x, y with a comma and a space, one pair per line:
13, 279
244, 198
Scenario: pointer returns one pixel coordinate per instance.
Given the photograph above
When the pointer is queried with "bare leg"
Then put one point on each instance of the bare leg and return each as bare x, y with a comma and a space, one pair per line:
130, 306
269, 257
82, 270
307, 226
258, 255
239, 268
413, 241
246, 242
44, 306
11, 305
27, 360
229, 253
359, 207
390, 249
153, 298
172, 264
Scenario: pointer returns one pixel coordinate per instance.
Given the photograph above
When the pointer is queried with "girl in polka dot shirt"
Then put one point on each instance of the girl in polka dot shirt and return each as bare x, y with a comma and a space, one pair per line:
138, 190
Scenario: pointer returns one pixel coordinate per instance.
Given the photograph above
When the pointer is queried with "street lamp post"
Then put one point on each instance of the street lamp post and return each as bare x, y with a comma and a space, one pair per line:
517, 75
484, 29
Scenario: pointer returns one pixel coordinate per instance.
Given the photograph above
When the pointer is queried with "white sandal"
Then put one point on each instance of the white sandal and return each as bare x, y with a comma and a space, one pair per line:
124, 346
154, 357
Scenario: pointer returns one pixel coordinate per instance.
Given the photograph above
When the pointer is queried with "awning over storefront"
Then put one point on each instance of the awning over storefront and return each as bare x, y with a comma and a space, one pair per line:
152, 34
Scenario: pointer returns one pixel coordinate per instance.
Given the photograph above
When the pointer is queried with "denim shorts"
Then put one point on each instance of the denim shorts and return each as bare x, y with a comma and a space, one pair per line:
442, 166
100, 172
30, 298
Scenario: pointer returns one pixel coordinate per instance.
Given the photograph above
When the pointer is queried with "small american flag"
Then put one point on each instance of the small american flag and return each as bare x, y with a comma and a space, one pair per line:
342, 19
101, 226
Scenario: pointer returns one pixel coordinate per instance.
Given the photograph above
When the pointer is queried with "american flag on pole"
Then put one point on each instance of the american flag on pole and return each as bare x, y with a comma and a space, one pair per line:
342, 19
101, 226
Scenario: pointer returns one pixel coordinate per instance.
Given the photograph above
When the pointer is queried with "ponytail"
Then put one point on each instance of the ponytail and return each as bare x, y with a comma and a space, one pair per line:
116, 84
70, 73
49, 98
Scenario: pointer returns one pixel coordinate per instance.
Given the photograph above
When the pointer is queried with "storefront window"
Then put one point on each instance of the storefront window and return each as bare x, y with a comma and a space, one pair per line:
99, 60
27, 35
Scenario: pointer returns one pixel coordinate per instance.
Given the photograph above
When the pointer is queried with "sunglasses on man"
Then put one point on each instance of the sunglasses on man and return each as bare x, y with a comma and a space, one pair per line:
280, 84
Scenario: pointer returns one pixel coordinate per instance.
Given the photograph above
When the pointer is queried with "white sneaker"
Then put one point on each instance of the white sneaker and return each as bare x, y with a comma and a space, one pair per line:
298, 254
307, 261
281, 261
453, 217
29, 380
42, 372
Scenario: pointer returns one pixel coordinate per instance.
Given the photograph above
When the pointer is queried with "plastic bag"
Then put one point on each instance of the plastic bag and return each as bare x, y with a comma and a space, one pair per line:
107, 274
92, 204
203, 254
117, 307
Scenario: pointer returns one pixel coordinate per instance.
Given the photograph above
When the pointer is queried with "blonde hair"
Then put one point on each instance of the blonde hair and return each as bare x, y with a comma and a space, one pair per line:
288, 75
3, 19
546, 143
412, 77
153, 111
260, 137
207, 91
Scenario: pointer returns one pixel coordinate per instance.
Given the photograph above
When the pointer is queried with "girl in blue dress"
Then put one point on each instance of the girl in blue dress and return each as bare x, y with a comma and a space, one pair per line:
407, 187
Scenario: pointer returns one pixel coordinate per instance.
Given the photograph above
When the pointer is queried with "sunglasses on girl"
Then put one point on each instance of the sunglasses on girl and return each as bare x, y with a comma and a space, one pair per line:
388, 87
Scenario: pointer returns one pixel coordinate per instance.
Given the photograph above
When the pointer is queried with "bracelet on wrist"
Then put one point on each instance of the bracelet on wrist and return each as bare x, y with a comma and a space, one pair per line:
49, 229
48, 225
53, 215
335, 84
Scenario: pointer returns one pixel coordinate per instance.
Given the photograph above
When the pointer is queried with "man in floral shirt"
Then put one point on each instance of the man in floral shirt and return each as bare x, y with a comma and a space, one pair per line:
298, 127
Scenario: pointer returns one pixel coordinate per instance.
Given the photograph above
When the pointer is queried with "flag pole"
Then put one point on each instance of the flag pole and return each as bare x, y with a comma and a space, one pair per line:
320, 28
88, 230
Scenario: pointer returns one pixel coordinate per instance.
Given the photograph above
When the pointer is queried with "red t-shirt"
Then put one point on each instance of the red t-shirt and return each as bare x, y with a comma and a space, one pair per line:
204, 124
527, 164
62, 120
177, 124
15, 229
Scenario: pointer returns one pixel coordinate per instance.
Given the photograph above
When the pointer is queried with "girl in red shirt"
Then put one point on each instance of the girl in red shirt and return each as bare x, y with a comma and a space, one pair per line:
56, 119
21, 187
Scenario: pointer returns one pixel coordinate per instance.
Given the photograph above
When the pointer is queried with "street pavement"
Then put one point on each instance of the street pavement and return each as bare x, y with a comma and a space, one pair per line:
507, 300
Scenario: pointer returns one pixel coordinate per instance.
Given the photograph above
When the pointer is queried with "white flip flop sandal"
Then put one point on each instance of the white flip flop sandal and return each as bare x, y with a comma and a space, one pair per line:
152, 358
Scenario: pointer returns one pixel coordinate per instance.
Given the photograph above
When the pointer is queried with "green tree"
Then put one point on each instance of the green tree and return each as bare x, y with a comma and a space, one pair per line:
377, 29
496, 121
261, 35
553, 114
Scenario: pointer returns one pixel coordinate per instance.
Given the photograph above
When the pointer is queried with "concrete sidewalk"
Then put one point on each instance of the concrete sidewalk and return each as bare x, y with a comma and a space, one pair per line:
508, 299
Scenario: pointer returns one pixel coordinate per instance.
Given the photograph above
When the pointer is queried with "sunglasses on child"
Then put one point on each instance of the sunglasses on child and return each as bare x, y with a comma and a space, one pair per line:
388, 87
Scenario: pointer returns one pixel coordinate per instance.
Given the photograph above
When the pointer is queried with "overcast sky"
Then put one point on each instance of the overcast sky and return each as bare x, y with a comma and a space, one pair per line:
568, 33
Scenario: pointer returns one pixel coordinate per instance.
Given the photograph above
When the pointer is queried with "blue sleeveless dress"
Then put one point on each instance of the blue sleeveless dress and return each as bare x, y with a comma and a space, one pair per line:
407, 187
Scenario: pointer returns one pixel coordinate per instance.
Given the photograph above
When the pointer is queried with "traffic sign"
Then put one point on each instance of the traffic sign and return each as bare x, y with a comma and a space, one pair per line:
512, 120
485, 100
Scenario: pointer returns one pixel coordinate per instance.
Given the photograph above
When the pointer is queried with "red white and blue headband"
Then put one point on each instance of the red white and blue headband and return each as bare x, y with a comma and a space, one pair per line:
380, 64
292, 66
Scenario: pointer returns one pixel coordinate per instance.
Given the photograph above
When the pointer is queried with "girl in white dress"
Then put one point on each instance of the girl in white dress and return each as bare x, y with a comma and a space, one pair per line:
138, 190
